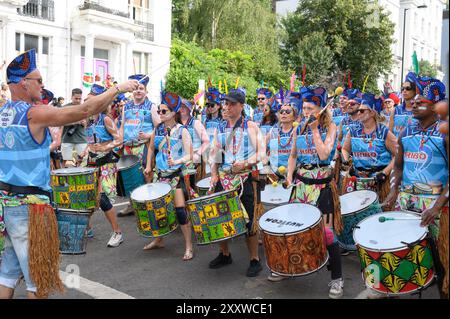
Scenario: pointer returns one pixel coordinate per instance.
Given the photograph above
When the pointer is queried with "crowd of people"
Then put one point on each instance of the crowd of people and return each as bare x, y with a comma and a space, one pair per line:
320, 144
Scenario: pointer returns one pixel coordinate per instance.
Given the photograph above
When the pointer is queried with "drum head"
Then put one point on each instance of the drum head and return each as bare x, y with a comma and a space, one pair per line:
275, 195
389, 235
357, 201
73, 171
288, 219
149, 192
204, 183
127, 161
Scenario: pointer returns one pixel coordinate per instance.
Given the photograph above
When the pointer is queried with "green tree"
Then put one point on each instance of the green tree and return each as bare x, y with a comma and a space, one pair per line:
427, 69
357, 32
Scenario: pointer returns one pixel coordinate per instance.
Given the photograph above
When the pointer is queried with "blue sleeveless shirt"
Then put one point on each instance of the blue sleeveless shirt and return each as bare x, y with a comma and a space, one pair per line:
306, 149
239, 147
23, 161
424, 154
176, 147
280, 147
402, 119
338, 116
137, 118
258, 116
369, 150
347, 124
196, 140
211, 125
98, 128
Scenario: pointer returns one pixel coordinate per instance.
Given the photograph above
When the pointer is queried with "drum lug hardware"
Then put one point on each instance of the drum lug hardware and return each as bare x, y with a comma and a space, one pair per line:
410, 245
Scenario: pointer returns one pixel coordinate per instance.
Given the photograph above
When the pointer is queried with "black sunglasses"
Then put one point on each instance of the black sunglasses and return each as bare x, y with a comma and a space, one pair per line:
286, 111
39, 80
211, 105
406, 88
261, 99
362, 110
353, 104
163, 112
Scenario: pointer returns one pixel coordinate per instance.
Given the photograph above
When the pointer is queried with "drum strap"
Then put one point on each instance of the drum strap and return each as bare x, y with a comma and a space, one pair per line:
23, 190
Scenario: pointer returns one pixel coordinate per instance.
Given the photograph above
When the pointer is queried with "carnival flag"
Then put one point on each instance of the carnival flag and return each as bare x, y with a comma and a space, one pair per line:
88, 80
293, 77
226, 86
201, 88
415, 63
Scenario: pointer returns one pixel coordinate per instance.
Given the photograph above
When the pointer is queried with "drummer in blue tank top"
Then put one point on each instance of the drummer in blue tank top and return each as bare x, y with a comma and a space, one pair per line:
402, 116
171, 146
263, 96
200, 140
25, 176
422, 158
309, 168
350, 113
102, 137
372, 147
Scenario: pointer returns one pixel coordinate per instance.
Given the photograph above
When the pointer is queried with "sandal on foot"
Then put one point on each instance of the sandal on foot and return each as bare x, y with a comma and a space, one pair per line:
153, 245
188, 255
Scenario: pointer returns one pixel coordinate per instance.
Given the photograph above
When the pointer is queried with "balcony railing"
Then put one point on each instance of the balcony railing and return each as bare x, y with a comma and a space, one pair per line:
148, 31
40, 9
94, 6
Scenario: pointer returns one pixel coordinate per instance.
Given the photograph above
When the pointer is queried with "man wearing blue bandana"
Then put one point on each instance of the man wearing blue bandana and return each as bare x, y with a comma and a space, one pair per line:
263, 96
420, 179
139, 120
25, 177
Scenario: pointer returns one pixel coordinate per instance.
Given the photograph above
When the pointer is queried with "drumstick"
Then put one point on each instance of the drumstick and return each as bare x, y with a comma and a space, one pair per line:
383, 219
141, 80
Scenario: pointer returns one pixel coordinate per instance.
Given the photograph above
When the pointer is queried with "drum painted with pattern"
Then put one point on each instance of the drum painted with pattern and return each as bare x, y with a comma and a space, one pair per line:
356, 206
75, 188
294, 239
272, 196
155, 209
217, 217
395, 254
130, 175
72, 227
203, 186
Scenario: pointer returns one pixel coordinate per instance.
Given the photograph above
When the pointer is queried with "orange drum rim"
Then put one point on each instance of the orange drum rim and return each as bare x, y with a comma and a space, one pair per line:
303, 274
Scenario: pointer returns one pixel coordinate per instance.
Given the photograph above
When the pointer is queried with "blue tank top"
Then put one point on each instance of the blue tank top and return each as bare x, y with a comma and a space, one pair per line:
196, 140
101, 133
239, 147
23, 161
258, 115
176, 147
137, 118
211, 125
338, 116
306, 149
402, 119
265, 128
369, 150
424, 154
280, 147
347, 124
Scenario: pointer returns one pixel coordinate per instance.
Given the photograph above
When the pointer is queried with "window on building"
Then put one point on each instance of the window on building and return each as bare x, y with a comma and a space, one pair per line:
142, 62
45, 45
31, 42
98, 53
18, 42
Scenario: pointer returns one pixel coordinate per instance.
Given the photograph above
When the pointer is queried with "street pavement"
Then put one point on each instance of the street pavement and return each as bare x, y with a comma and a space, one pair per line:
130, 272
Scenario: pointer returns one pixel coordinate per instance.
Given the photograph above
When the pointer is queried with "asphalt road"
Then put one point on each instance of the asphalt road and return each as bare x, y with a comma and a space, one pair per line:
128, 271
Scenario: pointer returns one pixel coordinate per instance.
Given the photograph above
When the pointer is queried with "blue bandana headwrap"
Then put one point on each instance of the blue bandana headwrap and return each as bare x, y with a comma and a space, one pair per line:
295, 99
316, 95
213, 95
264, 91
351, 93
274, 105
97, 90
21, 66
172, 101
47, 96
139, 77
121, 97
186, 103
430, 88
371, 101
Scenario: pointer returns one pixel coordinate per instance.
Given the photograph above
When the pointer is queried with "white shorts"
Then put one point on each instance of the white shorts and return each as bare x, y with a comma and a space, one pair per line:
67, 150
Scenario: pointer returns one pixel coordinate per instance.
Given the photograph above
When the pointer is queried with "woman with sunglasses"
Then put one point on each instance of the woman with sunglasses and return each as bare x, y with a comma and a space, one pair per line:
263, 96
372, 147
213, 111
199, 137
402, 117
270, 118
171, 145
309, 168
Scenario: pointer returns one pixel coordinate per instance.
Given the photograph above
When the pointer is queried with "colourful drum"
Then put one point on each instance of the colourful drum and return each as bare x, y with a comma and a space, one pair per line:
217, 217
130, 175
356, 206
75, 188
155, 209
72, 228
294, 239
395, 255
272, 196
2, 244
203, 186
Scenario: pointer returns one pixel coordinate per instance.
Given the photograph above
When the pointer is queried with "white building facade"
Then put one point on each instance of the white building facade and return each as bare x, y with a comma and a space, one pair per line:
423, 31
72, 37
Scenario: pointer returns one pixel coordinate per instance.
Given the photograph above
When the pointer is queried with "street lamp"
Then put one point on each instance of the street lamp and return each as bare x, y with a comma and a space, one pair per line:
404, 31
